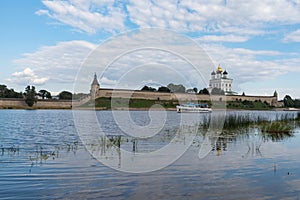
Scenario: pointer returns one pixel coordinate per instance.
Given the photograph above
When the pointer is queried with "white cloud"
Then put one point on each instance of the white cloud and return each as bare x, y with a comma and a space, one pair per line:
27, 76
228, 17
25, 72
242, 17
60, 63
133, 56
222, 38
52, 64
106, 82
42, 12
292, 37
245, 65
89, 15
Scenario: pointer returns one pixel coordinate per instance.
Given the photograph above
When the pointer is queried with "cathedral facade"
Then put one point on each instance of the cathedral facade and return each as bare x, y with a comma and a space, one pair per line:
220, 80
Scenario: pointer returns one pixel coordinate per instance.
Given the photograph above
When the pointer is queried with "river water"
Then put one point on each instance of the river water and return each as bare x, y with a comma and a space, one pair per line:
42, 156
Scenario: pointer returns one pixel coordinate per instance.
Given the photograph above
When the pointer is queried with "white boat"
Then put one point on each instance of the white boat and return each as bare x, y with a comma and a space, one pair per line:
291, 109
192, 107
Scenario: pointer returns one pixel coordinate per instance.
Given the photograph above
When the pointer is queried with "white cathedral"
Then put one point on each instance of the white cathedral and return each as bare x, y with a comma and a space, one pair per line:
220, 80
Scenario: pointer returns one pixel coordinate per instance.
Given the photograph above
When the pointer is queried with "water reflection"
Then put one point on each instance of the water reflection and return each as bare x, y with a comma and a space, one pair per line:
243, 164
276, 137
248, 127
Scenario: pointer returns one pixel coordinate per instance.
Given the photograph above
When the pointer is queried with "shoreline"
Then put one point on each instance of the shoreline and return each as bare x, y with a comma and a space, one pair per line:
135, 109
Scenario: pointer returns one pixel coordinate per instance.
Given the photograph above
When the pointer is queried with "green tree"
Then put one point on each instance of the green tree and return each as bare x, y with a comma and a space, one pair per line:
288, 101
176, 88
48, 95
204, 91
65, 95
163, 89
147, 88
45, 94
297, 103
3, 90
9, 93
195, 90
30, 95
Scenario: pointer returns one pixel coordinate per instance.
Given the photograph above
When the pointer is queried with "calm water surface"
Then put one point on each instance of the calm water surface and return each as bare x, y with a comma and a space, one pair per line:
42, 157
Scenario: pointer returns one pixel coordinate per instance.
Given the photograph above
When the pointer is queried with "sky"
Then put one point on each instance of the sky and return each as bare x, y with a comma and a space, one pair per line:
48, 43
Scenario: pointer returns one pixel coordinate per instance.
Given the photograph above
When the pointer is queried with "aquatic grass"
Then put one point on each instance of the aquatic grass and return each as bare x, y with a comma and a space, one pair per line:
281, 127
115, 140
42, 153
106, 142
235, 123
10, 150
276, 137
276, 127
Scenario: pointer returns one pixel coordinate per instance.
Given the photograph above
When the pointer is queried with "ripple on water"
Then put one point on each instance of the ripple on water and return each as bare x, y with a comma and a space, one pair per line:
41, 156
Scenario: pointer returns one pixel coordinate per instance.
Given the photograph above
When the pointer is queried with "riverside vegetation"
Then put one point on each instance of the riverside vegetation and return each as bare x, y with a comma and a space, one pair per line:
109, 103
277, 129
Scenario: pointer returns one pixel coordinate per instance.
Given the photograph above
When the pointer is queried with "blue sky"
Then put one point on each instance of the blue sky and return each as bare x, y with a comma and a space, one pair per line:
44, 43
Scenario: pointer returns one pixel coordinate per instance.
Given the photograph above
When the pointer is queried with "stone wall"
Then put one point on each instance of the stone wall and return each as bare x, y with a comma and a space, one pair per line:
269, 99
150, 95
53, 104
61, 104
181, 96
41, 104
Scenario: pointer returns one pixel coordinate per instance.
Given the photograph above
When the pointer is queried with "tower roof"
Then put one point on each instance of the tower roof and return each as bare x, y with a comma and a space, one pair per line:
213, 73
95, 81
225, 72
219, 69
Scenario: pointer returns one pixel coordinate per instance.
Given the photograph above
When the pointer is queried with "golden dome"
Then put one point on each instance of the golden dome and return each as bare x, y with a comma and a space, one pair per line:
219, 69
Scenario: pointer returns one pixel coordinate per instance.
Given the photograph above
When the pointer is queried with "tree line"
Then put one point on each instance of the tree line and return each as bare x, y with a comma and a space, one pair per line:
31, 95
291, 103
173, 88
9, 93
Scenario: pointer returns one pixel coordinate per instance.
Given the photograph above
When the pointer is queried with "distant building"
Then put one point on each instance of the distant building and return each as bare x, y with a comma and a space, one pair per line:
220, 80
190, 91
95, 86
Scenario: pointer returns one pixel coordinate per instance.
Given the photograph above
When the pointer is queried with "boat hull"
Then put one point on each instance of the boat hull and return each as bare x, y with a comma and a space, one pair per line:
181, 109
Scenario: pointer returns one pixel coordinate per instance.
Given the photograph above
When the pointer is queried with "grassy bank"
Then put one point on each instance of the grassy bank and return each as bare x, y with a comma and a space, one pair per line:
249, 105
108, 103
